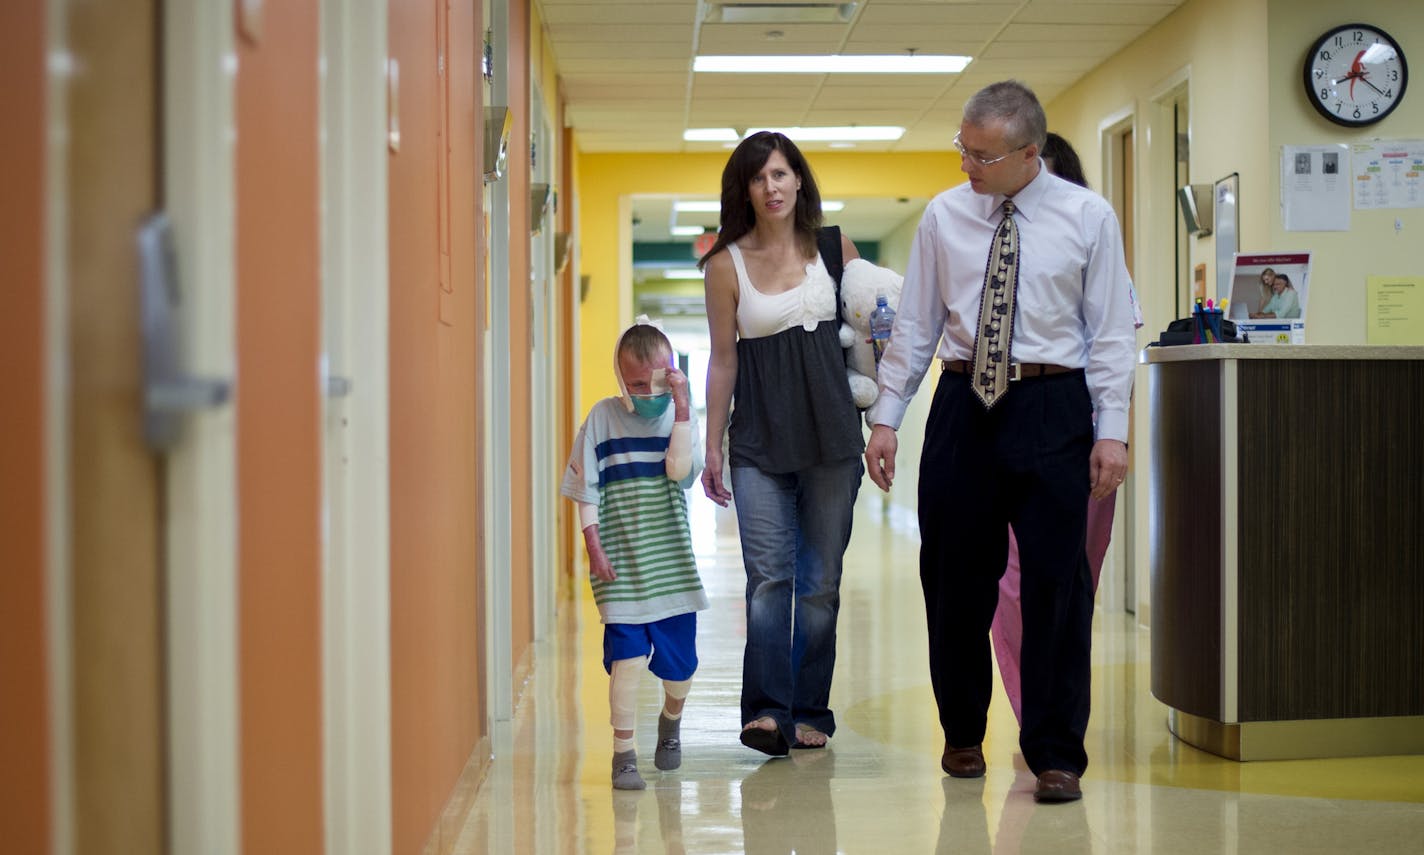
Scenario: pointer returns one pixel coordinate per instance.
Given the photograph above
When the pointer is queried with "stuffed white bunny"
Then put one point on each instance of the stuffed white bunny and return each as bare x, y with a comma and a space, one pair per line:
861, 283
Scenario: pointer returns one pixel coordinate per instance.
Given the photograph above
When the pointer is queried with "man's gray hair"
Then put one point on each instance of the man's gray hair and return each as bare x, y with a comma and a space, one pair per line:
1016, 106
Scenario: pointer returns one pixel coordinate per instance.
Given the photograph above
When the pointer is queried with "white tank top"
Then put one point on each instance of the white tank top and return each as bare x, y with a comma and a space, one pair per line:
760, 315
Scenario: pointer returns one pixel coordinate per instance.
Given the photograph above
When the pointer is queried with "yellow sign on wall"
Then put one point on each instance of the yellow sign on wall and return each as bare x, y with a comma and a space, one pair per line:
1394, 310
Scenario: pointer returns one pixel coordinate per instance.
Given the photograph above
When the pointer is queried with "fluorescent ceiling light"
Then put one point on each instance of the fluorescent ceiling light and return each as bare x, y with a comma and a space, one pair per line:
682, 273
697, 206
849, 133
802, 12
687, 231
853, 133
710, 135
833, 64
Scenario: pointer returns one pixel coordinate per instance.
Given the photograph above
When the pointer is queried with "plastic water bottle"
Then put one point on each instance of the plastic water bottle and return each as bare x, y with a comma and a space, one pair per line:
882, 319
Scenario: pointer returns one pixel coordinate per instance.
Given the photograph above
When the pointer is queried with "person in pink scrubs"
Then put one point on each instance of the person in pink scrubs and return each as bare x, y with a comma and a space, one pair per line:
1007, 629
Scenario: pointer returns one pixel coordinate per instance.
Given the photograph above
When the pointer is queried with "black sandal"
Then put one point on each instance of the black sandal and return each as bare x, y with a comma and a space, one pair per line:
766, 741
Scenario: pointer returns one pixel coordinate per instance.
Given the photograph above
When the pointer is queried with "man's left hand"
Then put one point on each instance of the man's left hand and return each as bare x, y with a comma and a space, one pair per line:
1107, 466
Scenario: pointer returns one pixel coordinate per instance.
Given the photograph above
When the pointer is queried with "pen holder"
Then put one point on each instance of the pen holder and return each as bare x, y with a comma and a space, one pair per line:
1213, 322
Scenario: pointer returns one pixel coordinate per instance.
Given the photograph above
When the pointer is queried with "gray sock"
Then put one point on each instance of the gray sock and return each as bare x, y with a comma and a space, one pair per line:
625, 771
669, 753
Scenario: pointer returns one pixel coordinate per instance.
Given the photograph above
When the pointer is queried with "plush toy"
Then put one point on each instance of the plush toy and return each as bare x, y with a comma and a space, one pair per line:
861, 283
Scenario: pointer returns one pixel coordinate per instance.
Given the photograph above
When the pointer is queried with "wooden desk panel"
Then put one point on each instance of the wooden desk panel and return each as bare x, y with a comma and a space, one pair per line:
1331, 581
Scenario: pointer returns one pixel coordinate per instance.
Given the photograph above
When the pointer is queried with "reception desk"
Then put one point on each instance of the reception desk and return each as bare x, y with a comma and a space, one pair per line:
1287, 544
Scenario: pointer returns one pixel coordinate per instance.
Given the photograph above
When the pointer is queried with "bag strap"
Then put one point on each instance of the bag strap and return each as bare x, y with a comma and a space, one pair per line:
828, 241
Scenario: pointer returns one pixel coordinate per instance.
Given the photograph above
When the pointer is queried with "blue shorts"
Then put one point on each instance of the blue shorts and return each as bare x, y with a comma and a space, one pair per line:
671, 641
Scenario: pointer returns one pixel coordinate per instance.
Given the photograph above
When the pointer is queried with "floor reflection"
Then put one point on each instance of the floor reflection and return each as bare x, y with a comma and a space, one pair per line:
878, 788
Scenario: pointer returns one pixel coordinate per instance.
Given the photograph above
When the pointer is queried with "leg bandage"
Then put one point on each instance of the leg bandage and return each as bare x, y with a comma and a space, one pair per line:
623, 691
677, 690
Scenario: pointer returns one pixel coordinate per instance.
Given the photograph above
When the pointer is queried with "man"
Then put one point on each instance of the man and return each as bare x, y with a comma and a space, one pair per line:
1011, 436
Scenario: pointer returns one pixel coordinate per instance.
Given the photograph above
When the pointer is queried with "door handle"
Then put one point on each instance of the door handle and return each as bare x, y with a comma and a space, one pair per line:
169, 394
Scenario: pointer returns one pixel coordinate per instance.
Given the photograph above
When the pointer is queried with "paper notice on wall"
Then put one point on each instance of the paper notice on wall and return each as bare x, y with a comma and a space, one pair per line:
1394, 310
1388, 174
1315, 189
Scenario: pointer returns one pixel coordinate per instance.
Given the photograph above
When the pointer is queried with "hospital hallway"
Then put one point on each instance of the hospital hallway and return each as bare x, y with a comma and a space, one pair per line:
878, 787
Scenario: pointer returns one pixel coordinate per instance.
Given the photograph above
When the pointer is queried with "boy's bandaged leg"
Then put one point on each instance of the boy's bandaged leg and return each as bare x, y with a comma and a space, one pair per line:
624, 676
669, 751
676, 692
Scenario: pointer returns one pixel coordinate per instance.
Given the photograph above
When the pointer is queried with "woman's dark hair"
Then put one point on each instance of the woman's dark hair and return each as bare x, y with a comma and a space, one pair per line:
1286, 278
738, 216
1063, 160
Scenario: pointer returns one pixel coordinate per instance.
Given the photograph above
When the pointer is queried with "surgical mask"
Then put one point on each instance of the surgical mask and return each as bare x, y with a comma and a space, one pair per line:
651, 406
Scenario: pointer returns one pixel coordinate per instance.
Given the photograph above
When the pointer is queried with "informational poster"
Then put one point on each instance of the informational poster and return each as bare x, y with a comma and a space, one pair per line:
1269, 292
1394, 310
1388, 174
1315, 188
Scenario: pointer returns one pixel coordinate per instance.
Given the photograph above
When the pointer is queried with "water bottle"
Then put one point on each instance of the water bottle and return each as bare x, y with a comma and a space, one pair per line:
882, 319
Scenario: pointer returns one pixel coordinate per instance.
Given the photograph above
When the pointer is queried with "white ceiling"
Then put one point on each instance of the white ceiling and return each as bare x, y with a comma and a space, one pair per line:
626, 65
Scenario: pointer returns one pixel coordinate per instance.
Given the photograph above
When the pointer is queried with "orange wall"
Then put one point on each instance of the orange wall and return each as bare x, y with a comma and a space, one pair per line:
520, 423
436, 718
279, 432
24, 699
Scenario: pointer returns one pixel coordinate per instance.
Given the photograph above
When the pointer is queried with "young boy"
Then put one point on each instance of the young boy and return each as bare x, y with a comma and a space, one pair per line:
632, 460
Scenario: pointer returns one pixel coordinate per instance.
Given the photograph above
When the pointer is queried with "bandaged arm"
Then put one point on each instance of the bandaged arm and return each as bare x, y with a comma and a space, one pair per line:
679, 453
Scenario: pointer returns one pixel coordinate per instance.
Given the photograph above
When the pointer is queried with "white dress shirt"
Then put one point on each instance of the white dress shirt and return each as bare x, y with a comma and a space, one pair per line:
1073, 303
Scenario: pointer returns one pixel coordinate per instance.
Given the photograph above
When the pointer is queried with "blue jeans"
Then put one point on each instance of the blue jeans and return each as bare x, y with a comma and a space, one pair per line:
794, 531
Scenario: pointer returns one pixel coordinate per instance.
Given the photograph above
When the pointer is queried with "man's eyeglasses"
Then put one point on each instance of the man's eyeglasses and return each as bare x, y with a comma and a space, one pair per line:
981, 161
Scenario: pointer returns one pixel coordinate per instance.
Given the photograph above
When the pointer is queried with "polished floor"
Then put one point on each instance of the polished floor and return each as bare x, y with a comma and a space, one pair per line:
878, 788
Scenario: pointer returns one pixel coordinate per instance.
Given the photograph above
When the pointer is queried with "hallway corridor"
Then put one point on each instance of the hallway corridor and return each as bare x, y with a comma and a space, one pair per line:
879, 788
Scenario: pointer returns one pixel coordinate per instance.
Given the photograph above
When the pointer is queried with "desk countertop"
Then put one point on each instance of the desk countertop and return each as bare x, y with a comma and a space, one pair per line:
1206, 352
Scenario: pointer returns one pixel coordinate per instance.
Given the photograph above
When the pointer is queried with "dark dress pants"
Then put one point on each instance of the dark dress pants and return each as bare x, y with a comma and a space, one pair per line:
1025, 463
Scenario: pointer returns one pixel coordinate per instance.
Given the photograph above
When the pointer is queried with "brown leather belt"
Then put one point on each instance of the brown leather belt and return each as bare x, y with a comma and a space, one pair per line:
1017, 370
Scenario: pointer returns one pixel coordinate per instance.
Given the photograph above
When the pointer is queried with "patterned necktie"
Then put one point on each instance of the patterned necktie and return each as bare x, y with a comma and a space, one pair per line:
996, 312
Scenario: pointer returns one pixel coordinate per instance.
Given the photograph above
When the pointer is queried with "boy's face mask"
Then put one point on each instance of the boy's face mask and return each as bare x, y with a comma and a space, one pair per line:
651, 406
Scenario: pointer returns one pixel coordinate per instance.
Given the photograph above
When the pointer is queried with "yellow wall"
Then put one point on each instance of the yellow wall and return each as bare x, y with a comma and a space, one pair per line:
1340, 261
608, 181
1242, 61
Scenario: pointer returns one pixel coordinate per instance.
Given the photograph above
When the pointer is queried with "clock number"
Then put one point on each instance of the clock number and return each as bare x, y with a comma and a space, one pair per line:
1393, 75
1389, 93
1325, 56
1325, 94
1374, 105
1359, 37
1357, 112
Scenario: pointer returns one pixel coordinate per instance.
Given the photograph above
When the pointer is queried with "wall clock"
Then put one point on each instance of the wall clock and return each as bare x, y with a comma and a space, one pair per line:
1355, 75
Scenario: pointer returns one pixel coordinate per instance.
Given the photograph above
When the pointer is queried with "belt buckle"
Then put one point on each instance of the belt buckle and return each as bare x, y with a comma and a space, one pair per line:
1015, 371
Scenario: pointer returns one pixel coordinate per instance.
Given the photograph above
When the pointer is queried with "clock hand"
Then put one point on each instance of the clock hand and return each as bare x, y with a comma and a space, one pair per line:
1357, 72
1365, 80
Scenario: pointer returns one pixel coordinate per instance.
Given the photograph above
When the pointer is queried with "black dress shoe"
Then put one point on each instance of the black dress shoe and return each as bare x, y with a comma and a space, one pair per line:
963, 762
1056, 785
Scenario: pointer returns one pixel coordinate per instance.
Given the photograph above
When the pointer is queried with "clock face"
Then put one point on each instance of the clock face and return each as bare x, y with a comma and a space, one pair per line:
1355, 75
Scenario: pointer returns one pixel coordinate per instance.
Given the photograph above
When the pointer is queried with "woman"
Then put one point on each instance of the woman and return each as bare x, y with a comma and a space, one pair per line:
794, 441
1268, 278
